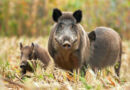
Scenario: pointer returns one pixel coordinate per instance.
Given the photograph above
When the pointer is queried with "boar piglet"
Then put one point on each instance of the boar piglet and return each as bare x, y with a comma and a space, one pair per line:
107, 49
33, 52
68, 42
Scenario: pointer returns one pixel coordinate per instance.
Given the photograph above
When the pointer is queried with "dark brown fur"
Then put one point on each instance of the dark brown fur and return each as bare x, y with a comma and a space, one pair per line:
106, 49
74, 57
33, 52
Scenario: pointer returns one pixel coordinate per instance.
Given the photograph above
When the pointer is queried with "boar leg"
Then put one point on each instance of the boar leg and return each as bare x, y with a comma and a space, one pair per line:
83, 70
118, 65
117, 68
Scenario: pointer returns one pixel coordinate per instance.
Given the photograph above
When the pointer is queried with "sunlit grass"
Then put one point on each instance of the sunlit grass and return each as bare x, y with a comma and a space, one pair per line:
55, 78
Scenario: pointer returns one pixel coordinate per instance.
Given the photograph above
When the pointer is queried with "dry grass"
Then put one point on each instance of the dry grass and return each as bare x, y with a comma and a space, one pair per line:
55, 79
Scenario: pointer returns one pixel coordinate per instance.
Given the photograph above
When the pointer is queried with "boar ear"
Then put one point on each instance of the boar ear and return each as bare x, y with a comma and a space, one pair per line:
92, 36
56, 14
32, 46
21, 46
78, 15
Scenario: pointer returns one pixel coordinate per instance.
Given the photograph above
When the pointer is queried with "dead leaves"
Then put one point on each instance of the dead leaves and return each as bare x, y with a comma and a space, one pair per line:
52, 77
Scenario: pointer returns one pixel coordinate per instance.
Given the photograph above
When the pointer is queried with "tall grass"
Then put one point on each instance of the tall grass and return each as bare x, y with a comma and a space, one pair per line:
55, 78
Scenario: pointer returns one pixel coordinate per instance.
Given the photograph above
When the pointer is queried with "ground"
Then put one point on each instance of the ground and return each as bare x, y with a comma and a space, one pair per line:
55, 79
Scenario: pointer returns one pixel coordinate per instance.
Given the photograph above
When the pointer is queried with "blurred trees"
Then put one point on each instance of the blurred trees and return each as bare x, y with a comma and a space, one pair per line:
33, 17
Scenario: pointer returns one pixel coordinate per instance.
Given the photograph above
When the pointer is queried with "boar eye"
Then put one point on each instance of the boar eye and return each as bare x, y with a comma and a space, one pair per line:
72, 26
61, 25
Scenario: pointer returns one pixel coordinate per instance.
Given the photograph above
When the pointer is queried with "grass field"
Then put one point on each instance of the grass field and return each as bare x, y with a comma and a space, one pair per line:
56, 79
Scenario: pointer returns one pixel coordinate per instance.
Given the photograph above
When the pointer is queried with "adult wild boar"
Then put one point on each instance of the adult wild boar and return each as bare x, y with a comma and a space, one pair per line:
106, 48
32, 52
68, 42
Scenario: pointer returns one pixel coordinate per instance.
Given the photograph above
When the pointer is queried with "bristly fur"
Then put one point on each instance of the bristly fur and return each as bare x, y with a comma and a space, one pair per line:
33, 52
73, 58
106, 49
41, 54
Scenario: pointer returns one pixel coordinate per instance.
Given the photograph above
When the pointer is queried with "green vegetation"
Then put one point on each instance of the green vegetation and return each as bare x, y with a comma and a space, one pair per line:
55, 78
33, 17
30, 21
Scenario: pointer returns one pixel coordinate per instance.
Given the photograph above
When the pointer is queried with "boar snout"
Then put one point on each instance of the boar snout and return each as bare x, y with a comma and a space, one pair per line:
66, 44
24, 64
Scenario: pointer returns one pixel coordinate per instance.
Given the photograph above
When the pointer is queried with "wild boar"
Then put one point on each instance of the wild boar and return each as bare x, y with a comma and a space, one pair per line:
68, 42
106, 48
34, 52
